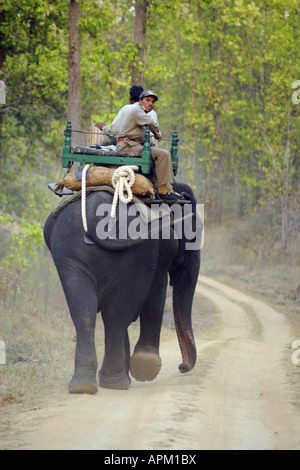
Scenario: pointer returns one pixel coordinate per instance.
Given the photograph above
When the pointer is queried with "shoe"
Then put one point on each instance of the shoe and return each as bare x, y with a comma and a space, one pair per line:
170, 197
61, 192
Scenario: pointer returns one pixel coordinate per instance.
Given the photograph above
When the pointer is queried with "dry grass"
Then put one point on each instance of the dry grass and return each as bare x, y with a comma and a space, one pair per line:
37, 348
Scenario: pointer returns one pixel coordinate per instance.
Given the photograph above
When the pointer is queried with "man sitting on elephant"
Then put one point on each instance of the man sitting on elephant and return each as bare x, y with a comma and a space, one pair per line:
115, 126
132, 140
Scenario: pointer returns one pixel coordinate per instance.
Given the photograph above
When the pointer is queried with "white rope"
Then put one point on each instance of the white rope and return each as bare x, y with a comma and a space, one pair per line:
122, 180
83, 197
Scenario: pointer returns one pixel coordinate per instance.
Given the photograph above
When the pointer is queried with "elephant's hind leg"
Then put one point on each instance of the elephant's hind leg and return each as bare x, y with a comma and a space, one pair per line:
79, 385
114, 372
115, 375
82, 301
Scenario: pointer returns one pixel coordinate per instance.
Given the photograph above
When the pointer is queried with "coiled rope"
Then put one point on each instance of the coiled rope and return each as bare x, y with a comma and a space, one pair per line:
123, 179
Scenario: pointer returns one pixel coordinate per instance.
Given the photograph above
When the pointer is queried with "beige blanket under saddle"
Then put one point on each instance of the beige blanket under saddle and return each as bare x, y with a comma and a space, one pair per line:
98, 176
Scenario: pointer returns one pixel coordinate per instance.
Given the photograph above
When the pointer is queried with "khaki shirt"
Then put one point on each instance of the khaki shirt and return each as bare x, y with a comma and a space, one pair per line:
135, 122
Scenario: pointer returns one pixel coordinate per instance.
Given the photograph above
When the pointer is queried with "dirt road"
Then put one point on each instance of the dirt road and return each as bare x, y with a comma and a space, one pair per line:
237, 397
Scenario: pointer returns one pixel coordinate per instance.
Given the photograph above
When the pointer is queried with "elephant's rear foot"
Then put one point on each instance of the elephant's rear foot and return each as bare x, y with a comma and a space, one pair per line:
145, 365
120, 381
83, 385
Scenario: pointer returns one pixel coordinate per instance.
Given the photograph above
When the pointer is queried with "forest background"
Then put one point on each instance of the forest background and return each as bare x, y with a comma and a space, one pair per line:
227, 74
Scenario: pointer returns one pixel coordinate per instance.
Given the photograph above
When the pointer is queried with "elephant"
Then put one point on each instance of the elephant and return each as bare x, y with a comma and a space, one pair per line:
124, 279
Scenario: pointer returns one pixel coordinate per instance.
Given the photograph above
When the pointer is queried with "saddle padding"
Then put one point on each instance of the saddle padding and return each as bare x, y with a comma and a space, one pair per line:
99, 176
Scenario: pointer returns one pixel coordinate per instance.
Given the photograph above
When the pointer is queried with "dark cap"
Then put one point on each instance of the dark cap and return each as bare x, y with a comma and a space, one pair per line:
148, 93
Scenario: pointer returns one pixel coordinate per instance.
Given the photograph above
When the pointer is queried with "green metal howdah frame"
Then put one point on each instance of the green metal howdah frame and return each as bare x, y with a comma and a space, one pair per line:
76, 153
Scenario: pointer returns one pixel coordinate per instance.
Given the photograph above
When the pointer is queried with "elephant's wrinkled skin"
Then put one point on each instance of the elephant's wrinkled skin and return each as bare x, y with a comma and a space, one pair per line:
123, 283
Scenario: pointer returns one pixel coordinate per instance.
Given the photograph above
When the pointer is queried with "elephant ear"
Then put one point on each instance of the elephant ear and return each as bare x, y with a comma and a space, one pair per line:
103, 229
189, 249
175, 270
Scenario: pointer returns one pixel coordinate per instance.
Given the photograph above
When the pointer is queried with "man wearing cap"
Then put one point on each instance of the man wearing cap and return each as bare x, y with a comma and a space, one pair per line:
132, 140
115, 126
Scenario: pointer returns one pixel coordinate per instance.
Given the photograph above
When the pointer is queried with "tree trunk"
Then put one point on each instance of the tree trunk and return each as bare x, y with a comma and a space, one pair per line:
74, 74
2, 60
286, 185
193, 155
139, 39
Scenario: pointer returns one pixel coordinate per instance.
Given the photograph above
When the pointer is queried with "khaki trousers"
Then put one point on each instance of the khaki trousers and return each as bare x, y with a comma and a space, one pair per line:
163, 161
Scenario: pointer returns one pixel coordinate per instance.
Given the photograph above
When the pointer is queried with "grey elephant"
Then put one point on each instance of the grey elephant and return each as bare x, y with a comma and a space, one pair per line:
124, 279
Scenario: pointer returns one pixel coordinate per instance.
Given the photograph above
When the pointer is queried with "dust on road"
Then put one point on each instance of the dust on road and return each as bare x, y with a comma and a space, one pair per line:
237, 397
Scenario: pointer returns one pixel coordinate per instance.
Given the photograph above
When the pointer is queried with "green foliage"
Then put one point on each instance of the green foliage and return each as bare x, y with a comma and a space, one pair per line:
25, 246
23, 252
31, 33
